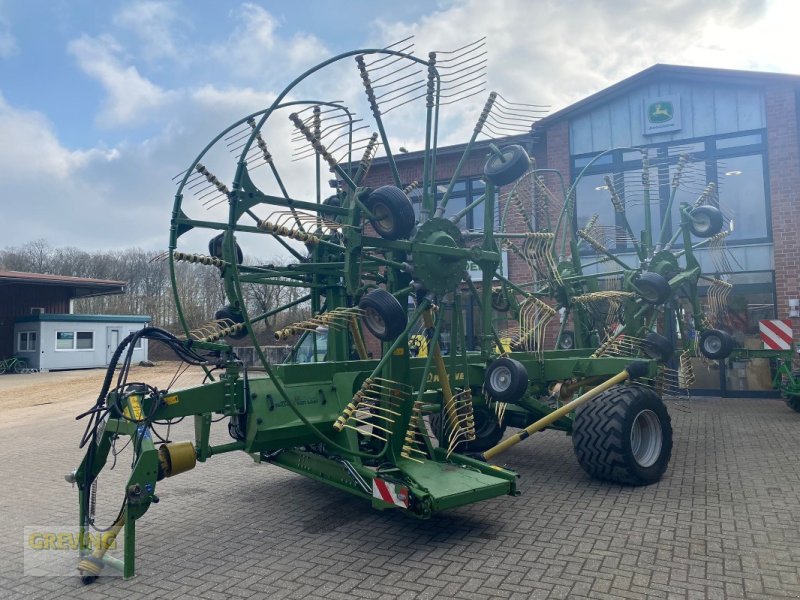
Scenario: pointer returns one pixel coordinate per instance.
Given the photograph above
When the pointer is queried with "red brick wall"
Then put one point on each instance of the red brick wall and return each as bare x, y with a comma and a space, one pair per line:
783, 148
410, 169
557, 157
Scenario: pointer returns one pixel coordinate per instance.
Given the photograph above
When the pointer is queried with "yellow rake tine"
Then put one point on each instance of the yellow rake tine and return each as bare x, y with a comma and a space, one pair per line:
362, 432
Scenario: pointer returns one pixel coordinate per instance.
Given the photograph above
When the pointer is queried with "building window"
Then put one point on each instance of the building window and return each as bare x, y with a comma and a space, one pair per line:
26, 341
734, 164
741, 195
138, 344
464, 193
74, 340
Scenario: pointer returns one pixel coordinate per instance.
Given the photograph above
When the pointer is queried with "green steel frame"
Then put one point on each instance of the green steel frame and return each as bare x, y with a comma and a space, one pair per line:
287, 416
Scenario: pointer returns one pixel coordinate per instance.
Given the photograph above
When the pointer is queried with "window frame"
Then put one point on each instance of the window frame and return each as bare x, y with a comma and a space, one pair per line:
28, 334
138, 344
474, 187
74, 333
711, 156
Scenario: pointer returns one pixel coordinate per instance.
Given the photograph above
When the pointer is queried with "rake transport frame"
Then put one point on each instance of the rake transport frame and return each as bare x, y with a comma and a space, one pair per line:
357, 423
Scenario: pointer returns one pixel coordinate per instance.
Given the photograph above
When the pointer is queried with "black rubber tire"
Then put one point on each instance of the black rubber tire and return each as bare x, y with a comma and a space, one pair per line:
657, 347
384, 316
393, 211
500, 301
793, 402
488, 430
716, 344
567, 340
215, 248
513, 166
334, 200
603, 441
652, 288
20, 366
706, 221
228, 312
506, 380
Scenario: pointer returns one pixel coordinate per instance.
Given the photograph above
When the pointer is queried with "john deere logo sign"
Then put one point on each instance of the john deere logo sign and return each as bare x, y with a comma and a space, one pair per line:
661, 115
660, 112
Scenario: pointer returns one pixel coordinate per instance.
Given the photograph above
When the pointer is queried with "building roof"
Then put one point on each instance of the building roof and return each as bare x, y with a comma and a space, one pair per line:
731, 76
84, 318
82, 287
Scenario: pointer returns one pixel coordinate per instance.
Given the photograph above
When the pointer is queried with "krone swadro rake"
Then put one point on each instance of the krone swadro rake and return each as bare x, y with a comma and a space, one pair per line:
402, 432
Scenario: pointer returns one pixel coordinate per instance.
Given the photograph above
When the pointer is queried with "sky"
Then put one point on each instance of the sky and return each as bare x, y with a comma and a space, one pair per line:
102, 103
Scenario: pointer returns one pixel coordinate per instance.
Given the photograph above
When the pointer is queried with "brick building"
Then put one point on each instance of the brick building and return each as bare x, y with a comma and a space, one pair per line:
739, 130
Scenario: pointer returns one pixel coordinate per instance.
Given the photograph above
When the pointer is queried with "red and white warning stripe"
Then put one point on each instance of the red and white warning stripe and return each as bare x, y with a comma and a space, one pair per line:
776, 334
390, 493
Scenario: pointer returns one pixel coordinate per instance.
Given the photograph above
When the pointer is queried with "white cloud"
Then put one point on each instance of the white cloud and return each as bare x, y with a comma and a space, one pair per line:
46, 190
130, 96
104, 198
233, 102
306, 49
154, 23
249, 47
8, 43
257, 51
36, 152
556, 52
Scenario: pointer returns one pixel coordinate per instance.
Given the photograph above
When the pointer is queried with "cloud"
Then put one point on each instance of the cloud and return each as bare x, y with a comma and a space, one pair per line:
122, 195
156, 26
231, 101
37, 153
106, 198
256, 50
555, 53
8, 43
47, 192
130, 96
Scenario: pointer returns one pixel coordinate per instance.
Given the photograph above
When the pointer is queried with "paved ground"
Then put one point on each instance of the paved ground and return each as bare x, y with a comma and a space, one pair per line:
724, 523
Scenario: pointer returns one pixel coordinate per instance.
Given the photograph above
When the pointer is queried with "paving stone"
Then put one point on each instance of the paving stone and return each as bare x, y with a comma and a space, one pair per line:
723, 523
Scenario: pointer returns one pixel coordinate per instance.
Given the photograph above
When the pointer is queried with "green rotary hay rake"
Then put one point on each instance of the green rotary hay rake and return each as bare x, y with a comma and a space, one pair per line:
404, 432
622, 292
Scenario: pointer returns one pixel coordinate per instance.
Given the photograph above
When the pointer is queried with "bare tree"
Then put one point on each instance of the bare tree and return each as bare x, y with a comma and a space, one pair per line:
148, 289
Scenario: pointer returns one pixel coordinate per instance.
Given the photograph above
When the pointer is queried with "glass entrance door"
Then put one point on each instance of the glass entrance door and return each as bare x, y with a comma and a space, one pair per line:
751, 299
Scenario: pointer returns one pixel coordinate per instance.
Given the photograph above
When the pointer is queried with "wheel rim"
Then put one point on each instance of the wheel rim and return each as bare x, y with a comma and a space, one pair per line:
646, 438
383, 217
374, 321
500, 303
701, 222
712, 344
500, 379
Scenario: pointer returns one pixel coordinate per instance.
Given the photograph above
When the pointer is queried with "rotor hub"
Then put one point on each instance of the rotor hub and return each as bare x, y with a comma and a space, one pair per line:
436, 271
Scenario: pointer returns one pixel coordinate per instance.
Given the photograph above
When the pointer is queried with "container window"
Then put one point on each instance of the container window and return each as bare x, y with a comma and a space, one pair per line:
84, 340
26, 341
65, 340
